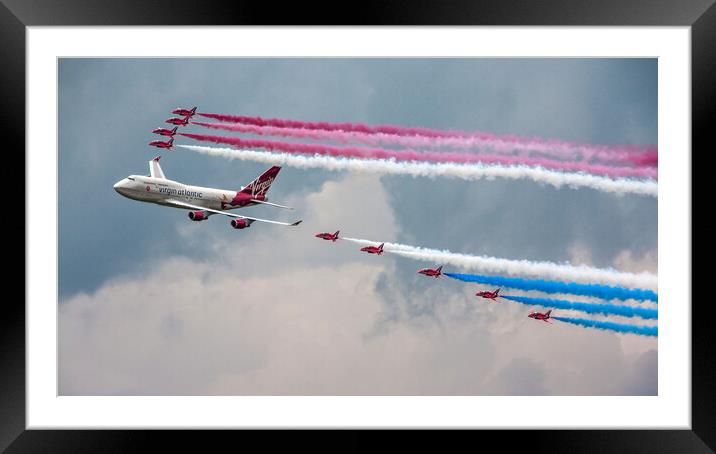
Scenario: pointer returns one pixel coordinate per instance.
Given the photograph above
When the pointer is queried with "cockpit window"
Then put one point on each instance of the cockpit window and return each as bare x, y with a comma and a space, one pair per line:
130, 178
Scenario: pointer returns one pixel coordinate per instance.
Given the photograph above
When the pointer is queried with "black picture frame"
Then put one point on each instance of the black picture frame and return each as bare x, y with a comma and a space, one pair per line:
15, 15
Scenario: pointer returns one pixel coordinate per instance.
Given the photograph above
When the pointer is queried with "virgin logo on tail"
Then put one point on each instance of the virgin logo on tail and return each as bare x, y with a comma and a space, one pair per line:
261, 186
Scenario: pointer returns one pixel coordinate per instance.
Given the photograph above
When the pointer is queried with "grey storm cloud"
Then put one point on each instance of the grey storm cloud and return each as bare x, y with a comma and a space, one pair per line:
151, 303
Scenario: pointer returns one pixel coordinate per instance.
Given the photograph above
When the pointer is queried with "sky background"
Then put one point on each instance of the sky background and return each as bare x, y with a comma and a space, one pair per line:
152, 303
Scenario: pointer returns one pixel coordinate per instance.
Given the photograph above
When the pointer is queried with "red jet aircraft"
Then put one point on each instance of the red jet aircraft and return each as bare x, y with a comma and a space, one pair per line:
489, 295
185, 112
161, 144
166, 132
538, 316
373, 249
178, 121
432, 272
328, 236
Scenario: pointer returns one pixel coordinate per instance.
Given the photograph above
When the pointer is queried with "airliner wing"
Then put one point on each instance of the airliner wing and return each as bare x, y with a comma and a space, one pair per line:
225, 213
272, 204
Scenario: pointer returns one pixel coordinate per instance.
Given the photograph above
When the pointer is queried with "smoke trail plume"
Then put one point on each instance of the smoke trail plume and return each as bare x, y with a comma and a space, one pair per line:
647, 158
579, 273
470, 172
549, 270
600, 291
649, 151
611, 326
345, 126
425, 156
589, 308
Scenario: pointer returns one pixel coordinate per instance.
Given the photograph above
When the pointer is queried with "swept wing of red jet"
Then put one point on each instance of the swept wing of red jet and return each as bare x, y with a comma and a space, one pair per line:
178, 121
373, 249
328, 236
166, 132
437, 272
539, 316
185, 112
489, 295
161, 144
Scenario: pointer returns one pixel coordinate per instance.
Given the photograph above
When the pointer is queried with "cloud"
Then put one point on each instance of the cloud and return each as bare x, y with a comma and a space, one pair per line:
626, 260
643, 376
183, 322
521, 377
186, 325
279, 312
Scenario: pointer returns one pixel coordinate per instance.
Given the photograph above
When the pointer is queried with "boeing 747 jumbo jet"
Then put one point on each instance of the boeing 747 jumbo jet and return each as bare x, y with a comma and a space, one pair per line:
203, 202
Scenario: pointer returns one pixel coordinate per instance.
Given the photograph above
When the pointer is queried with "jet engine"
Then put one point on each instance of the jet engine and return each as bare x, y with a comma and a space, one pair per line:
240, 223
198, 215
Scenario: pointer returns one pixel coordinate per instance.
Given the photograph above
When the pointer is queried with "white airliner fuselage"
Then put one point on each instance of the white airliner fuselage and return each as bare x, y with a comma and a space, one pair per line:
160, 190
203, 202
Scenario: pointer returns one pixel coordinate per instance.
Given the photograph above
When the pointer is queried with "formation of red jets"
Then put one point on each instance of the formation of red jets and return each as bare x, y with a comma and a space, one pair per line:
183, 119
434, 272
185, 114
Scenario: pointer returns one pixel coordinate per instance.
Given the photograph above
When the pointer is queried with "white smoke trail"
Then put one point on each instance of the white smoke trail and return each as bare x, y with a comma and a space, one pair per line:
557, 271
473, 171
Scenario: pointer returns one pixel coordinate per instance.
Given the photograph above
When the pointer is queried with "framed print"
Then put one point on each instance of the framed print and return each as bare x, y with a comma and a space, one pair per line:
341, 227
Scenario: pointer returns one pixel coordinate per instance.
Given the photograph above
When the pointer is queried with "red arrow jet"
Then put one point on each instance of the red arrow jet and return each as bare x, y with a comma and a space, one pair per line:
166, 132
373, 249
489, 295
328, 236
178, 121
185, 112
437, 272
161, 144
538, 316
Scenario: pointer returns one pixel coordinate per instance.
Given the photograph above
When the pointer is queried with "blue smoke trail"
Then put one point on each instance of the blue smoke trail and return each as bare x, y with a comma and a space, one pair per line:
590, 308
600, 291
611, 326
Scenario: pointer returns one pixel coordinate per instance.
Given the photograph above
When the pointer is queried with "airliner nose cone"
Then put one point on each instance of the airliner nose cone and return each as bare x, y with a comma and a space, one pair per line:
119, 186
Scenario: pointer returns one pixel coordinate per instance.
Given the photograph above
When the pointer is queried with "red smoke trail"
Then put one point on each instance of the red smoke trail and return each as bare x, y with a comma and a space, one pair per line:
628, 153
327, 126
477, 145
430, 156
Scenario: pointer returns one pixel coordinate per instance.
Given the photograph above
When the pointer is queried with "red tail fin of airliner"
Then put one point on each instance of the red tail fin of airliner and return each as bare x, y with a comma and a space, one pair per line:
260, 186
